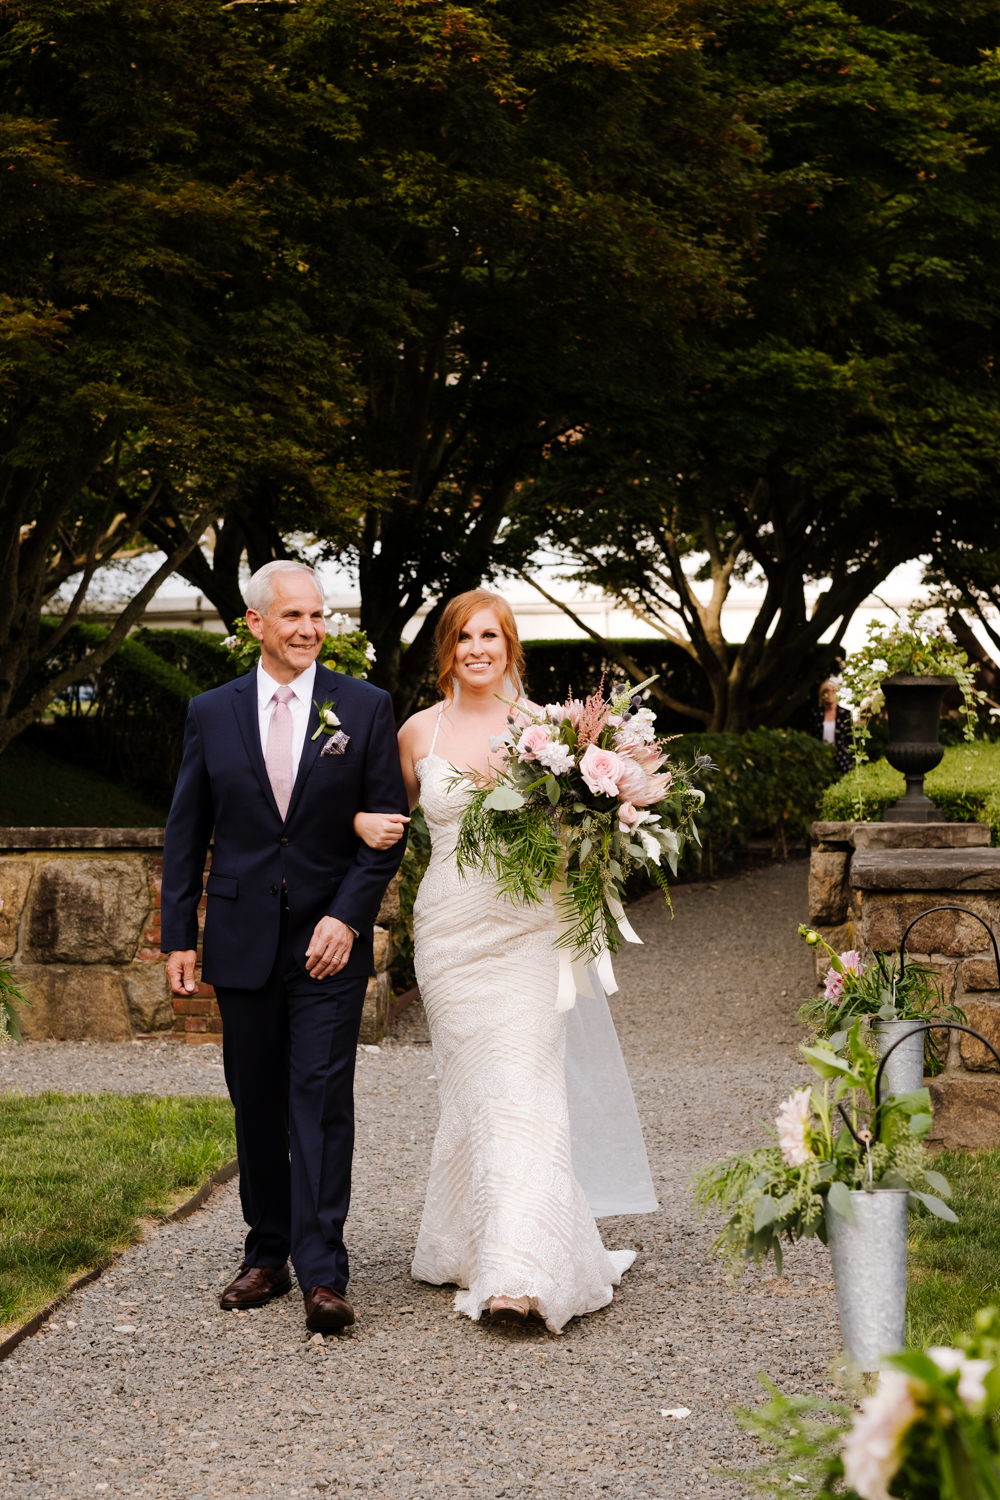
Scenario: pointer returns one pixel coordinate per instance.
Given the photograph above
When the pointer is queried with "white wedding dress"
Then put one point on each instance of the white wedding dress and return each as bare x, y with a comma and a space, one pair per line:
504, 1212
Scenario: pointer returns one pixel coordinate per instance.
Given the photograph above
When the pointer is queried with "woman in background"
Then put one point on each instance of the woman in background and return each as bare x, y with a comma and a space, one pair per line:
832, 725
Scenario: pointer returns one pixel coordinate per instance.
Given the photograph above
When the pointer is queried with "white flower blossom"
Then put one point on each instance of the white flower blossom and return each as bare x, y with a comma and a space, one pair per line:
231, 642
649, 844
329, 717
871, 1450
556, 757
794, 1114
880, 665
370, 651
973, 1372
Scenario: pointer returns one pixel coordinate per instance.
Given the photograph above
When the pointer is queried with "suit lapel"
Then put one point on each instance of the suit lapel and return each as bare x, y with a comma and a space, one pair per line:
245, 708
324, 686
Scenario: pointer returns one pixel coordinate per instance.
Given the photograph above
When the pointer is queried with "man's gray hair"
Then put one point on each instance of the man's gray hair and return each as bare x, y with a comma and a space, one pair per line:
259, 592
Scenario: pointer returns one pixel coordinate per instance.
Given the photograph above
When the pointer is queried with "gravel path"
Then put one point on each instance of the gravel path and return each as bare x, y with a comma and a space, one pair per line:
142, 1387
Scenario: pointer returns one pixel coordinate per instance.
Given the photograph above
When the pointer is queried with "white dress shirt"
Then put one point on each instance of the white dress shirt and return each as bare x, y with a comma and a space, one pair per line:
303, 691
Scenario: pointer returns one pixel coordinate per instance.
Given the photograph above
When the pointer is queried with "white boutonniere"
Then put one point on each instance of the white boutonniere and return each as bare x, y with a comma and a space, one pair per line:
337, 741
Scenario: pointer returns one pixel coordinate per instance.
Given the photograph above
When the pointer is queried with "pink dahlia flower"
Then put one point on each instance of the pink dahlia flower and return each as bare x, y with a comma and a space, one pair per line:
601, 769
794, 1114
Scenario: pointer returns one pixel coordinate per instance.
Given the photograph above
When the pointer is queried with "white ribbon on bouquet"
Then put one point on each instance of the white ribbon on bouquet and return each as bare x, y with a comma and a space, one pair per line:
573, 976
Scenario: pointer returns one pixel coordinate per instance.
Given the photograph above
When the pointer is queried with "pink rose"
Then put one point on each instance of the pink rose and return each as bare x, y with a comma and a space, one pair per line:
534, 738
601, 769
632, 781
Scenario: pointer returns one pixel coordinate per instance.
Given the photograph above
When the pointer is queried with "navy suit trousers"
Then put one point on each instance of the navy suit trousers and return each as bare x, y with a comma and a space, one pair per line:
289, 1050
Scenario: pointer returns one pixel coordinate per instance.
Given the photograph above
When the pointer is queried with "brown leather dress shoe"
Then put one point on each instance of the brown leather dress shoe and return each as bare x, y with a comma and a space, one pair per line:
327, 1310
255, 1285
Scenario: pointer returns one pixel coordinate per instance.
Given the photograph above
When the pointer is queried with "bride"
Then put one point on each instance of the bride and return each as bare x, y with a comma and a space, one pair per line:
523, 1115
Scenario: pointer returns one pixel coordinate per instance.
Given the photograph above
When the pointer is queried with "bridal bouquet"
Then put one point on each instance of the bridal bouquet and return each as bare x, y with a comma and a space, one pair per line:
585, 797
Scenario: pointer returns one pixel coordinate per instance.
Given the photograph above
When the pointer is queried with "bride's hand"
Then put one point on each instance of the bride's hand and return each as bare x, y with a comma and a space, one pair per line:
380, 830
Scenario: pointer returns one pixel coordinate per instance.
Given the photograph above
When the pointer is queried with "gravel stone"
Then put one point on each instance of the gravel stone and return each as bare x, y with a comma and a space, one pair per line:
140, 1386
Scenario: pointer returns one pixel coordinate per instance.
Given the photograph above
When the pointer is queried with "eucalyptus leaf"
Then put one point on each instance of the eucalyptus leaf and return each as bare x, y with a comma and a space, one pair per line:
503, 799
839, 1199
936, 1207
764, 1210
937, 1182
886, 1013
838, 1039
672, 862
552, 789
585, 848
636, 851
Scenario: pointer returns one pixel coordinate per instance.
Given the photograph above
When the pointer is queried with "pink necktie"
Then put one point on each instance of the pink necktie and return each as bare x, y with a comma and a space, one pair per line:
278, 758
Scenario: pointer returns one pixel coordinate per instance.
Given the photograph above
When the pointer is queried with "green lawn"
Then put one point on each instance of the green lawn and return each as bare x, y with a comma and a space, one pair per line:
955, 1268
39, 791
78, 1172
966, 787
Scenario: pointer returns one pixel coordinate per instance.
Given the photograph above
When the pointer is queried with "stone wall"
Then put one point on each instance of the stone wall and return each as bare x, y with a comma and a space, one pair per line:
867, 883
80, 935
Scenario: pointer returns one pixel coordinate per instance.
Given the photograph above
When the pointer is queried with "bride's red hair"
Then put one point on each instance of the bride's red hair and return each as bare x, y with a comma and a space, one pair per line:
457, 614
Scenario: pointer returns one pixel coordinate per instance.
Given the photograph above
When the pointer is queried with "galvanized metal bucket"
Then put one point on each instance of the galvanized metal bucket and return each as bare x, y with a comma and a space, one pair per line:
869, 1272
904, 1070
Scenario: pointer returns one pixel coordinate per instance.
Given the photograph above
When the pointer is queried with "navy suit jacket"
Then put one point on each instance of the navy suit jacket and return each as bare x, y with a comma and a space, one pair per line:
327, 871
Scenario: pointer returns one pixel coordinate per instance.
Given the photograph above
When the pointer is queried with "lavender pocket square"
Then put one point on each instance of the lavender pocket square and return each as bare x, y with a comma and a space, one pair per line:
336, 744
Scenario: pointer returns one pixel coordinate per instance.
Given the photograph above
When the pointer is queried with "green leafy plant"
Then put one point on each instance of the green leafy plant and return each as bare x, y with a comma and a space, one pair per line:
929, 1431
886, 990
901, 650
348, 651
10, 998
823, 1152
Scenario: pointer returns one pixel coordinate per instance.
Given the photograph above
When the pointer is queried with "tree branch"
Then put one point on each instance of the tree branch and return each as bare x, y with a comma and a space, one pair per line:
621, 657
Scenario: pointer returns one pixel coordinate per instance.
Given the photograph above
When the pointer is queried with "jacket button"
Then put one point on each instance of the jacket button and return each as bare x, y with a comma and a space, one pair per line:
283, 843
274, 890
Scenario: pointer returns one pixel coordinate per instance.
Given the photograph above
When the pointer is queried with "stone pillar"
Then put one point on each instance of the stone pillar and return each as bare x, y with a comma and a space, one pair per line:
895, 885
379, 995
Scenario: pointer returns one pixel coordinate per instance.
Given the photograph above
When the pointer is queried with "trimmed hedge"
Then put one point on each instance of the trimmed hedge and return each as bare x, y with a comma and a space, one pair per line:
966, 787
126, 720
769, 784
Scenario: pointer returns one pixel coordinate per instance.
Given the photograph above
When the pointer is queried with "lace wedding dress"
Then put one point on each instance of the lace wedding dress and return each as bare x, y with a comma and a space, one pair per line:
504, 1212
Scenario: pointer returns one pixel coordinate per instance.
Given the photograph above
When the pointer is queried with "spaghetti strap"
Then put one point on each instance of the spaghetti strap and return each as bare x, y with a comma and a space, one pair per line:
437, 726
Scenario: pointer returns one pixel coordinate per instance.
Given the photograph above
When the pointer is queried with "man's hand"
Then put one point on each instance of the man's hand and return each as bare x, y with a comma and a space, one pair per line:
331, 945
180, 971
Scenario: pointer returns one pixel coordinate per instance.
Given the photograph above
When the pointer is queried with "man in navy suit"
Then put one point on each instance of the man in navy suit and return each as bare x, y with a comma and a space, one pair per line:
292, 900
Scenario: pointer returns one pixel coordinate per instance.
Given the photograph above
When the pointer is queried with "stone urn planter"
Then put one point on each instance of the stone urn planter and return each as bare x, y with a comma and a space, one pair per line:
904, 1069
869, 1273
914, 707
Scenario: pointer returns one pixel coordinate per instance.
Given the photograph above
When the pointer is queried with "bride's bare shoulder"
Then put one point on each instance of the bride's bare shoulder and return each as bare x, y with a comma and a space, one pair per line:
416, 734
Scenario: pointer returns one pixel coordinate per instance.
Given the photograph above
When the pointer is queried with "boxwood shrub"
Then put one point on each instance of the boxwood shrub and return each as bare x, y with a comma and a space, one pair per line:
966, 787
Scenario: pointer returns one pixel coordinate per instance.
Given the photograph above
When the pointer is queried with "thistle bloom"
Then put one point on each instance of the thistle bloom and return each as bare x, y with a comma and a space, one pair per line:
871, 1450
601, 769
533, 739
794, 1114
